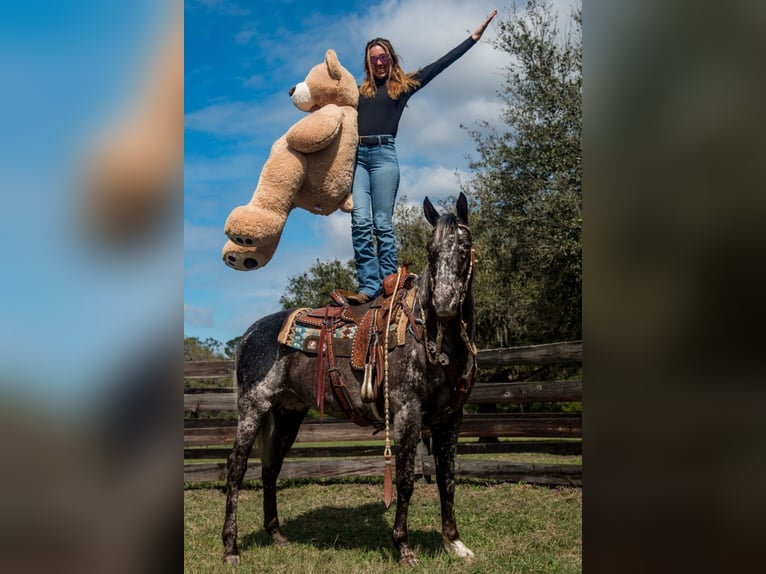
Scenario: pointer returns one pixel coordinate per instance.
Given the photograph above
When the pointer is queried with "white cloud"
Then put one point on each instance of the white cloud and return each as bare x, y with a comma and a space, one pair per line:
435, 182
198, 316
202, 238
239, 118
245, 165
334, 232
245, 35
225, 6
255, 81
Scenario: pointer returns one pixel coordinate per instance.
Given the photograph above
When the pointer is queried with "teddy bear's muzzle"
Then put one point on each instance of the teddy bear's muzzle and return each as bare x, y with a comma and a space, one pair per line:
300, 94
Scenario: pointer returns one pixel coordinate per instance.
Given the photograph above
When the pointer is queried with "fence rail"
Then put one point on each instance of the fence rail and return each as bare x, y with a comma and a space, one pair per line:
209, 439
483, 393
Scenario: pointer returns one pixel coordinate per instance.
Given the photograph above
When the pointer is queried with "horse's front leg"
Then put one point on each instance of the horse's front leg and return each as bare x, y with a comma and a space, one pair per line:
444, 450
407, 423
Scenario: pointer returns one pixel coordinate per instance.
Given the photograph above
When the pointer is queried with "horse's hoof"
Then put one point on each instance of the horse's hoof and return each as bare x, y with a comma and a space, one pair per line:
232, 559
280, 540
457, 548
409, 561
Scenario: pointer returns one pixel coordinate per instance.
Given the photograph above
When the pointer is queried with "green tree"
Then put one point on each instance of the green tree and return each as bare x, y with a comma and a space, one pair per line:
412, 232
209, 349
230, 347
527, 187
201, 350
311, 288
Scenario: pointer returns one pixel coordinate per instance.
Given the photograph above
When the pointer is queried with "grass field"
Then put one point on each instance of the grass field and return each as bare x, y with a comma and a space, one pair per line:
342, 527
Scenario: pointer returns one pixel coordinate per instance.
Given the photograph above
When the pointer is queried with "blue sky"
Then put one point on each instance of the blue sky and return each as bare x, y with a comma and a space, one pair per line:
240, 63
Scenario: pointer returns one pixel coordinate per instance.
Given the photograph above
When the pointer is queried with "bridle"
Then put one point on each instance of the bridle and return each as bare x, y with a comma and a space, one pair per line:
433, 348
461, 382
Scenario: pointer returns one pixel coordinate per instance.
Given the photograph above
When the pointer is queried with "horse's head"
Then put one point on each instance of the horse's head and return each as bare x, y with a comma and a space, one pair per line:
450, 258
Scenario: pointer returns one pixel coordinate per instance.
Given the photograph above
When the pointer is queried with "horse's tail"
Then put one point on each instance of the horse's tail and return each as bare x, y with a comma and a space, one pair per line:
265, 437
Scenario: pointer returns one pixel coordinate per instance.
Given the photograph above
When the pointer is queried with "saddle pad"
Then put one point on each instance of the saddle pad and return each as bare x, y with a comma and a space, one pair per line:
306, 338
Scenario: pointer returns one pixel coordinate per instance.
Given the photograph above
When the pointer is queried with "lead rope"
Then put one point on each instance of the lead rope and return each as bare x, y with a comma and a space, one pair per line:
387, 480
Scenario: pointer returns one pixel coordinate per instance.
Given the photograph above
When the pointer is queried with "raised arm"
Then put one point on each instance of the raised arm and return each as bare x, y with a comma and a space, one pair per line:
429, 72
480, 30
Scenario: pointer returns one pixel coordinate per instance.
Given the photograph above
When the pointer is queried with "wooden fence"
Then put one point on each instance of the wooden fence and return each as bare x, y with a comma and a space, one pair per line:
210, 439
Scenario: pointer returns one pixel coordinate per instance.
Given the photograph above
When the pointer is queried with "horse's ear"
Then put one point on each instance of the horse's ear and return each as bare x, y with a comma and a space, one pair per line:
462, 208
430, 211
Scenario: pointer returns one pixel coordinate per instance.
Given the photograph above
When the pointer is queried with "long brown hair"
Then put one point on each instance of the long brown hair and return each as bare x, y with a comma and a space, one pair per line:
398, 80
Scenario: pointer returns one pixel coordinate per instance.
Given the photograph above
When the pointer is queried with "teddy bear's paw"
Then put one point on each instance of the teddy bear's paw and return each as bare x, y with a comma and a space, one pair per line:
247, 258
241, 261
243, 240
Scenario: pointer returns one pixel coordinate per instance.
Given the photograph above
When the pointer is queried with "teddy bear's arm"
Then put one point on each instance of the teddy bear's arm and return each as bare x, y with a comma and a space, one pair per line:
317, 130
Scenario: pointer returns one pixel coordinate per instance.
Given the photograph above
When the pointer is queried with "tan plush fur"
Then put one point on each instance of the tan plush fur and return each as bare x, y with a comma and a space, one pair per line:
311, 167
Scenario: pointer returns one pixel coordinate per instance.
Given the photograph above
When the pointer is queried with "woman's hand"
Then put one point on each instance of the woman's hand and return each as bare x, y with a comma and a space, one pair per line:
480, 30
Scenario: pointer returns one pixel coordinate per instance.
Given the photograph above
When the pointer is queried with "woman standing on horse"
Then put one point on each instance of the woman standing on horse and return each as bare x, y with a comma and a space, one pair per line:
383, 96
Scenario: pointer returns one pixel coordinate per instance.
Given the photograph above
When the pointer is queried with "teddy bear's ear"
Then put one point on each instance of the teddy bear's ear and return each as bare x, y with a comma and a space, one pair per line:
333, 65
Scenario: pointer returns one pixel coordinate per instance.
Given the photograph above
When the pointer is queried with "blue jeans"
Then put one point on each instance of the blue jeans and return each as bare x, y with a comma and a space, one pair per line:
376, 183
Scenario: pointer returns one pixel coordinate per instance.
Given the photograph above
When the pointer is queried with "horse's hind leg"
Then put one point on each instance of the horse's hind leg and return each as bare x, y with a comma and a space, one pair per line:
247, 429
280, 429
444, 450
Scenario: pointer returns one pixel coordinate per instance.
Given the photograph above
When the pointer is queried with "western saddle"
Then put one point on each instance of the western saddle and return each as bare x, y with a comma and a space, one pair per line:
378, 327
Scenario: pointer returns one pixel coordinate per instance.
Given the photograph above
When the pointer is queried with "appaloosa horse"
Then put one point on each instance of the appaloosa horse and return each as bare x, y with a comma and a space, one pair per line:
430, 377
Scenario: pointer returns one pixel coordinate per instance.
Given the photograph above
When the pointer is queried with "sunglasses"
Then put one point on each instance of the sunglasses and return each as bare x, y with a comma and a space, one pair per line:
382, 59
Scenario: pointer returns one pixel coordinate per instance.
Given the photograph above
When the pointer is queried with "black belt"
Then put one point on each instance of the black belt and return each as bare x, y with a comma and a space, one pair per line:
375, 140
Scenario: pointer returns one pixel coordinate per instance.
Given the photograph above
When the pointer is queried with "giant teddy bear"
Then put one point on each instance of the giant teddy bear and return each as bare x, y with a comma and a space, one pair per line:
311, 166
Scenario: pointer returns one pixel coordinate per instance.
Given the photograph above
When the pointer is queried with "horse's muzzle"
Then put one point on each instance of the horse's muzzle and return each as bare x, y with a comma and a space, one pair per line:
445, 303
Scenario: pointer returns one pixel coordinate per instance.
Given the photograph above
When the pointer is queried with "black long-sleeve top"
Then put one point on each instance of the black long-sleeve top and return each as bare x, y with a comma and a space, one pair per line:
380, 115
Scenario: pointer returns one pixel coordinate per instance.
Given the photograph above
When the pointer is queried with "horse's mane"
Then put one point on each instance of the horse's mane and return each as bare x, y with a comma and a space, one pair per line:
445, 225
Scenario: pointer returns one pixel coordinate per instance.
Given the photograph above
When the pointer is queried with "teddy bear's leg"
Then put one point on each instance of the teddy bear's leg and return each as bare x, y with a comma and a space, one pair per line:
251, 226
260, 222
247, 258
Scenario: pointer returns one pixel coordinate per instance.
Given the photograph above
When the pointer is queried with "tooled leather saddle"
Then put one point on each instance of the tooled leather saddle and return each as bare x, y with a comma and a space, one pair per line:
361, 332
